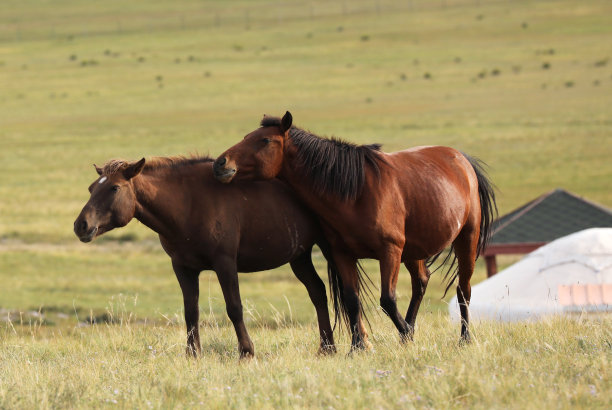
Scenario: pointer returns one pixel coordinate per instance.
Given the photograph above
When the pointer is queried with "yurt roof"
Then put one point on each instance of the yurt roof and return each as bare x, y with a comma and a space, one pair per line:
551, 216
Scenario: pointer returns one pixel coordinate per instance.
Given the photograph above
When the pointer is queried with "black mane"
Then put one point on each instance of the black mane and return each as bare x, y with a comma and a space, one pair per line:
332, 165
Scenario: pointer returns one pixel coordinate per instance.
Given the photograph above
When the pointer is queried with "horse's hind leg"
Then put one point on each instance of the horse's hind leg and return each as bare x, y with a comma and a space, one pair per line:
419, 274
466, 245
307, 274
389, 272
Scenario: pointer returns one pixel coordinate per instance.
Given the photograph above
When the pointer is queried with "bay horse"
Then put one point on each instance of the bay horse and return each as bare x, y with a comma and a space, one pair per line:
204, 225
406, 206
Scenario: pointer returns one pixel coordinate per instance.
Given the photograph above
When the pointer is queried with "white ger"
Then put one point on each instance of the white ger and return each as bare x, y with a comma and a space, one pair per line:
572, 274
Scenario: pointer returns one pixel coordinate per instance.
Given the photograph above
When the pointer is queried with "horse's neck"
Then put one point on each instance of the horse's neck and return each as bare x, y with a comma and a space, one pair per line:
296, 178
152, 209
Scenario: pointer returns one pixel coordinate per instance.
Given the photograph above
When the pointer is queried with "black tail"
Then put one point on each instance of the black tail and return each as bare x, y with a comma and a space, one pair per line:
488, 205
336, 287
488, 213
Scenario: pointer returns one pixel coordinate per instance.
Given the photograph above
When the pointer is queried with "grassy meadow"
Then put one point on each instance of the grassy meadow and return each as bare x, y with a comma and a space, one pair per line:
524, 85
556, 364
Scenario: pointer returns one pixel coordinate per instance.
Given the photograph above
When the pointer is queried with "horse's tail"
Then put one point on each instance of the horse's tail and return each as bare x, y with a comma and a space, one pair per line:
336, 287
488, 212
488, 204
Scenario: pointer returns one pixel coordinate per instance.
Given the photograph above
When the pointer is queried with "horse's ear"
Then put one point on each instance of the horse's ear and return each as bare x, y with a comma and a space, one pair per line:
98, 169
286, 122
133, 169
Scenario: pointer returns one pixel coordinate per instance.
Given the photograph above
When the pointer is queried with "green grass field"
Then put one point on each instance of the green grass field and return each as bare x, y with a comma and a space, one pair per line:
524, 85
557, 364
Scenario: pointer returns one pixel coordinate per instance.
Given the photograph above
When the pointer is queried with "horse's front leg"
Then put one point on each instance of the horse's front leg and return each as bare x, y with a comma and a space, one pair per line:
307, 274
227, 274
188, 280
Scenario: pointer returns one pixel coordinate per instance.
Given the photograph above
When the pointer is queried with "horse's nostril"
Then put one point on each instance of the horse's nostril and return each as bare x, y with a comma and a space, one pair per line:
83, 226
221, 161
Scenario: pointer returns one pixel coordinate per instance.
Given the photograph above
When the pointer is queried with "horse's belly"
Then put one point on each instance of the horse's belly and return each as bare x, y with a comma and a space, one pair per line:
264, 258
273, 249
416, 250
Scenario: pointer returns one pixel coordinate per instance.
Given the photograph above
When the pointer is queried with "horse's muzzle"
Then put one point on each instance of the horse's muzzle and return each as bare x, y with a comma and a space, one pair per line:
222, 172
84, 232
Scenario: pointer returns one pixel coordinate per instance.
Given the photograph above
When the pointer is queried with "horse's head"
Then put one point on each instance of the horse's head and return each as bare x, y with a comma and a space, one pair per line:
259, 155
112, 203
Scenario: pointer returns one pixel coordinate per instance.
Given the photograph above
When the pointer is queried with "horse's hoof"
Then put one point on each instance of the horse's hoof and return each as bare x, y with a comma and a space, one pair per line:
361, 350
246, 355
192, 353
327, 350
362, 346
406, 337
465, 340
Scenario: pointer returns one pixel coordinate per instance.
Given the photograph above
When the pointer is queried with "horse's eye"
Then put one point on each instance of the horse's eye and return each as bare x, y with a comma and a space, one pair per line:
266, 140
115, 188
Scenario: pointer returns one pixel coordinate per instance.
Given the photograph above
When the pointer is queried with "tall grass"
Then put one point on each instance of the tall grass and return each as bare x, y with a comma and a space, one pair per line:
560, 363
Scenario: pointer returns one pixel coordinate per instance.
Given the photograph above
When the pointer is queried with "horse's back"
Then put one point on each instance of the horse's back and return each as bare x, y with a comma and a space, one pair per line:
426, 154
432, 167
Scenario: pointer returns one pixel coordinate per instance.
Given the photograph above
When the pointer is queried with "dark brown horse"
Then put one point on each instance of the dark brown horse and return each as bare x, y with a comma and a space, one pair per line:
406, 206
205, 225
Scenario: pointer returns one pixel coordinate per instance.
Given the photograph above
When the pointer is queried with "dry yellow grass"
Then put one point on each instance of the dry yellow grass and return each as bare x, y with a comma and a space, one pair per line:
559, 363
